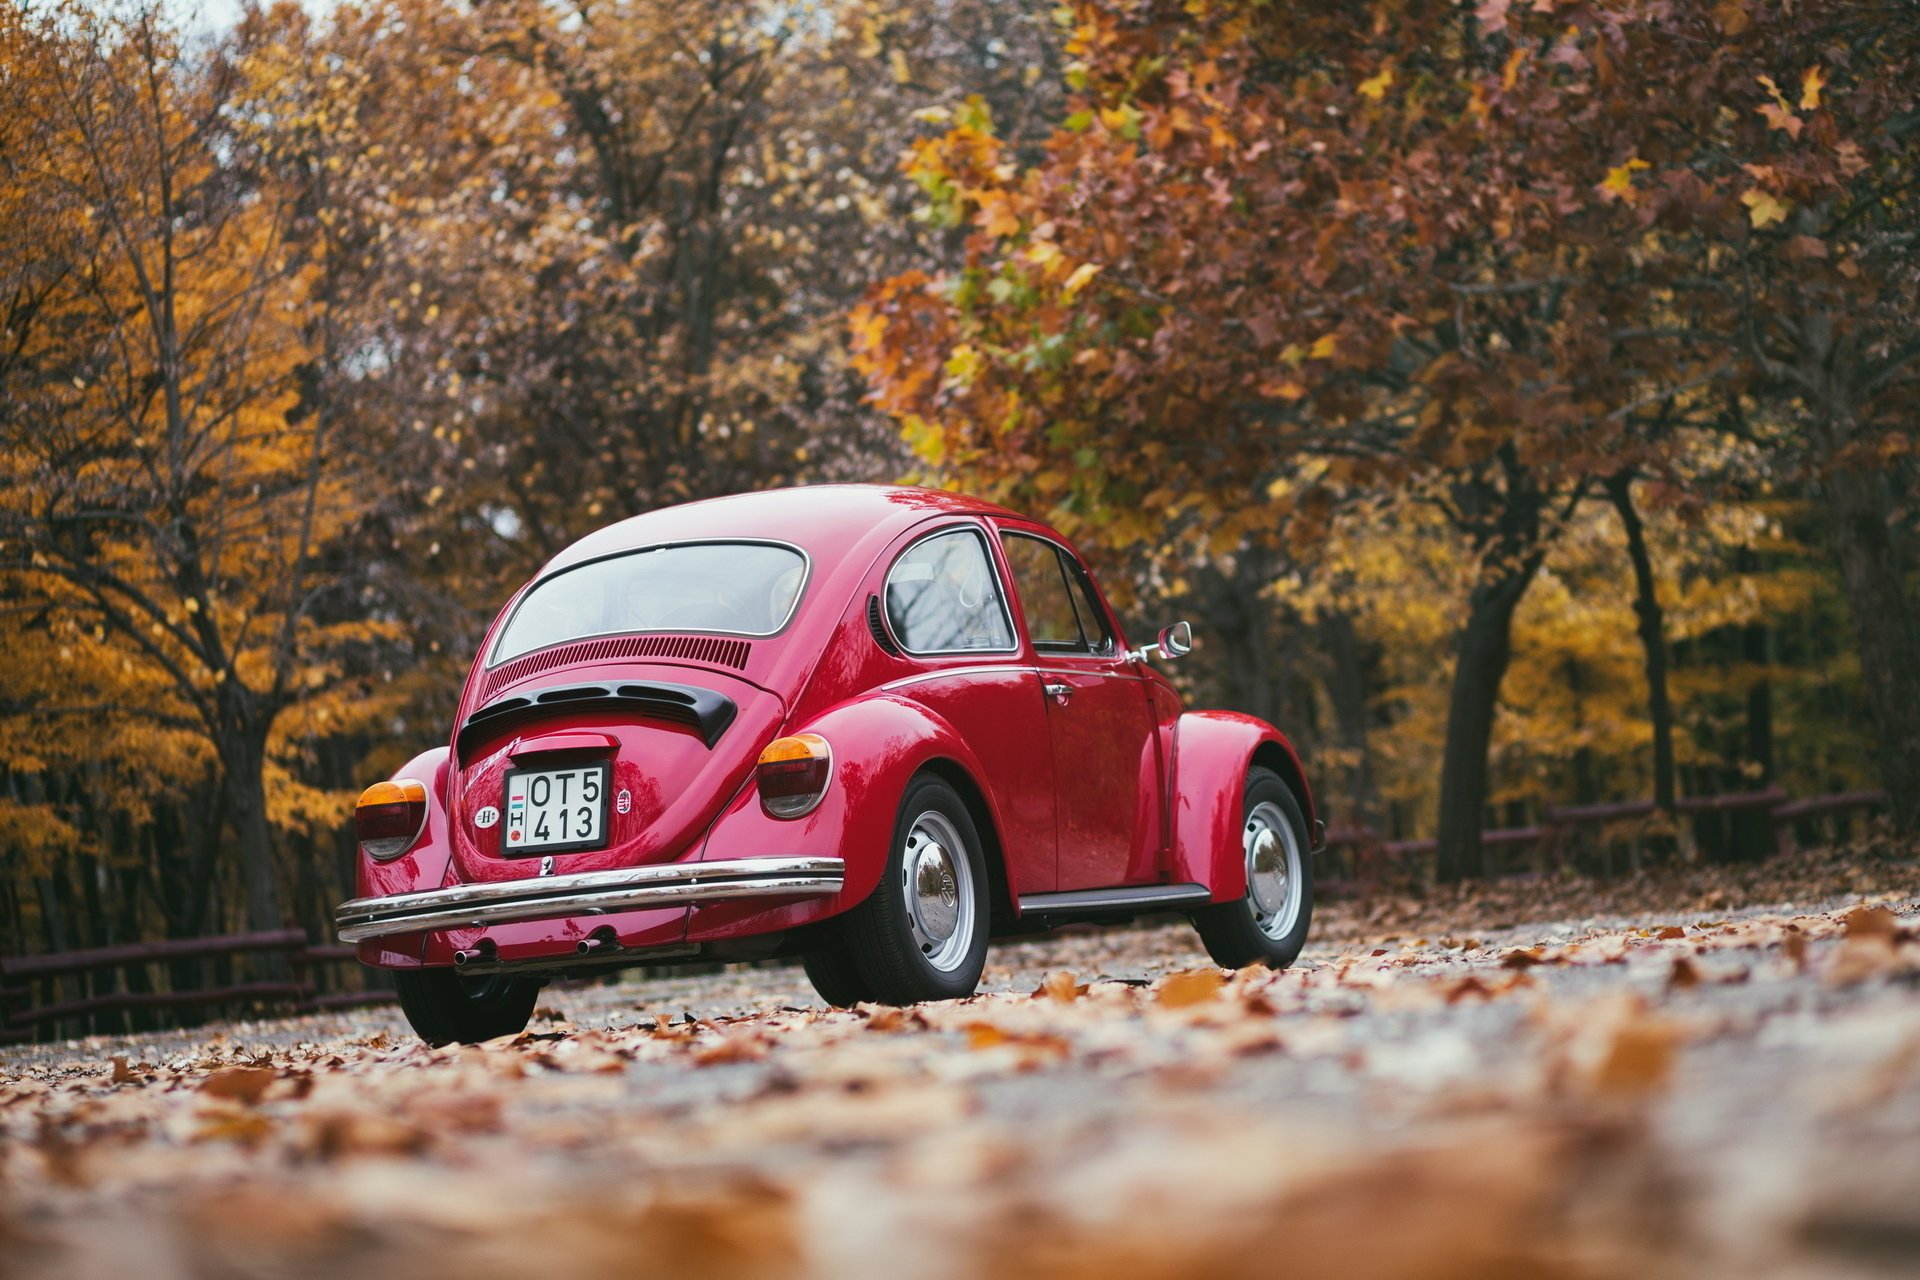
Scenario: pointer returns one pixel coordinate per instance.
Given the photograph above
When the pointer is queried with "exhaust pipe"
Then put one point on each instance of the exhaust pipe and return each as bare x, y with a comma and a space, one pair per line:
485, 951
601, 941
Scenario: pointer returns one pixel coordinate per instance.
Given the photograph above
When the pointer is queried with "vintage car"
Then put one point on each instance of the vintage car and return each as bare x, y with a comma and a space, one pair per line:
868, 726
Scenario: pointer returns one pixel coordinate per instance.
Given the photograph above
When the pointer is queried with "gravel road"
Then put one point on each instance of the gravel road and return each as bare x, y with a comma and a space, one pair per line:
1731, 1092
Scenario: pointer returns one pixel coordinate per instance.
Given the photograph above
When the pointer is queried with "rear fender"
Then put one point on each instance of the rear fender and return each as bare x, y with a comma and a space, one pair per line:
424, 866
879, 744
1212, 751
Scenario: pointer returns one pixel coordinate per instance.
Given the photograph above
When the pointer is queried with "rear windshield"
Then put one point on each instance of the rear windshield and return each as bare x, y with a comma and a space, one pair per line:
743, 588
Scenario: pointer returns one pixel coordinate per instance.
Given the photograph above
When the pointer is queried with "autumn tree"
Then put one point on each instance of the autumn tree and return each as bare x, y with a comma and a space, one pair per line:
168, 504
1306, 253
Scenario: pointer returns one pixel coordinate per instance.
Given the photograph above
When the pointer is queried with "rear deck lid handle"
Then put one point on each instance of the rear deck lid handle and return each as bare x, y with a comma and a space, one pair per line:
706, 710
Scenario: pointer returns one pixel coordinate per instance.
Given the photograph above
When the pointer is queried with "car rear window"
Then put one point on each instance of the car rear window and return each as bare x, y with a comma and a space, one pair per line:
737, 588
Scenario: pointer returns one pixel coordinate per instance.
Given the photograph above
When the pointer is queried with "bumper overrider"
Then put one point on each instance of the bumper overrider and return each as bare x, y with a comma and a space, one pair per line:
545, 897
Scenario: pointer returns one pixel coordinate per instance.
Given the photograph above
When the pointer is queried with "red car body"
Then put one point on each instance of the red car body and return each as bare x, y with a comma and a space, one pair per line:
1095, 794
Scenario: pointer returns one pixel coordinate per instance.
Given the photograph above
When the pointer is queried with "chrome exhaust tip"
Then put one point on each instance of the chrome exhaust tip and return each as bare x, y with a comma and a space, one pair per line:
473, 955
601, 940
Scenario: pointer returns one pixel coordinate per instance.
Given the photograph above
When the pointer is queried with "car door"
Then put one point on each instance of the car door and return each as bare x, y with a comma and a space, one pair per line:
1099, 720
946, 608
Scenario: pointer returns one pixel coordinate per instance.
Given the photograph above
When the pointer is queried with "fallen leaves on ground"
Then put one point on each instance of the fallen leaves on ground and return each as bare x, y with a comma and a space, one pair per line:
1558, 1099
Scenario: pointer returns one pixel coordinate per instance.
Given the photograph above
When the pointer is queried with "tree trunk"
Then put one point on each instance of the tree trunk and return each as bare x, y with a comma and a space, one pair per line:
1653, 640
1886, 631
1347, 691
244, 757
1483, 649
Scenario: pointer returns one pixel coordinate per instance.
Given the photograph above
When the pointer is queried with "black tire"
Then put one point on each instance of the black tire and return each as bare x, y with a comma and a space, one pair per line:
445, 1005
890, 965
833, 976
1231, 930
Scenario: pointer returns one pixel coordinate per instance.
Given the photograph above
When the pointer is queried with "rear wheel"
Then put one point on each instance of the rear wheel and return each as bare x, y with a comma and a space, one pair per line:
922, 933
832, 975
445, 1005
1269, 925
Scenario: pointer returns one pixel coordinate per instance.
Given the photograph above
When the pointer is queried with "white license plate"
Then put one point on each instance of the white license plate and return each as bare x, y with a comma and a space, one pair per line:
549, 809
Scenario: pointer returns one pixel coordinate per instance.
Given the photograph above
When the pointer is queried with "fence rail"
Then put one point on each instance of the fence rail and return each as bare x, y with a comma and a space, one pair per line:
1562, 829
114, 985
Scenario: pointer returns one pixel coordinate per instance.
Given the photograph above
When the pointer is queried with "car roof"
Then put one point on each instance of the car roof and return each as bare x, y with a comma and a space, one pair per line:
824, 520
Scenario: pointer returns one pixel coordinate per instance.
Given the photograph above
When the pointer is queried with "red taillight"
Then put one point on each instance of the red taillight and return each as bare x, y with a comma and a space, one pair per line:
792, 774
390, 816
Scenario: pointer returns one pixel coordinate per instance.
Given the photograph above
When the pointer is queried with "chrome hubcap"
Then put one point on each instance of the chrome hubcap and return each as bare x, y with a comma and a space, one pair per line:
937, 882
1273, 870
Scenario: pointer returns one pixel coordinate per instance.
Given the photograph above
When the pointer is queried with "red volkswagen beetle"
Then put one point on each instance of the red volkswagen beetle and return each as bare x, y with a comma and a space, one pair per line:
869, 726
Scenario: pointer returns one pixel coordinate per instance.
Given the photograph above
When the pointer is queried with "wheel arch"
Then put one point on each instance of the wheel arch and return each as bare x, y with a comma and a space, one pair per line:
1000, 905
1213, 751
1279, 757
882, 744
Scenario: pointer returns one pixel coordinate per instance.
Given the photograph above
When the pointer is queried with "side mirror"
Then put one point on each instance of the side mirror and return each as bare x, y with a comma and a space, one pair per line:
1175, 641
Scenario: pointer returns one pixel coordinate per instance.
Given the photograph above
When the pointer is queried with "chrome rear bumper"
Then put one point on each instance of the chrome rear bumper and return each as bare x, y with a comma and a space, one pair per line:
538, 898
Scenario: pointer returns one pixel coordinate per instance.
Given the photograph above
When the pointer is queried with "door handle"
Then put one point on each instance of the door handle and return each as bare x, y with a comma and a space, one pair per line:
1055, 690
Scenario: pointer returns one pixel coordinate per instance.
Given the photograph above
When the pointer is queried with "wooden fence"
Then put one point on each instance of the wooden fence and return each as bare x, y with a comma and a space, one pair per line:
1566, 832
114, 989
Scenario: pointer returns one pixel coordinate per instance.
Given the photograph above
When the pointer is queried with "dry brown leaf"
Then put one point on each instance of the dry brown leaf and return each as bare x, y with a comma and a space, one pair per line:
984, 1035
240, 1084
463, 1112
736, 1048
885, 1018
1870, 922
1683, 976
1468, 987
1189, 987
247, 1128
121, 1073
1061, 985
334, 1134
1640, 1059
1861, 957
1521, 958
1670, 932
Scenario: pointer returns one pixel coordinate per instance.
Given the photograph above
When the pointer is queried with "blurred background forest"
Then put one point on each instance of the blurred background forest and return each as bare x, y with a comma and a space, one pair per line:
1519, 397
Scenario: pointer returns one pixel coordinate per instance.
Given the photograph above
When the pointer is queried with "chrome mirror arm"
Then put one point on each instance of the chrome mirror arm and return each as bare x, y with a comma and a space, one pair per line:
1175, 641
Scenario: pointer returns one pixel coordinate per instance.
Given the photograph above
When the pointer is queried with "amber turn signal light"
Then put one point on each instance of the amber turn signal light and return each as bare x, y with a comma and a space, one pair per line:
390, 817
793, 774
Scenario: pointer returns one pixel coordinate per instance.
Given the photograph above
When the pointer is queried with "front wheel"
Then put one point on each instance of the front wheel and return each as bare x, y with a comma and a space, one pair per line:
1269, 925
445, 1005
922, 933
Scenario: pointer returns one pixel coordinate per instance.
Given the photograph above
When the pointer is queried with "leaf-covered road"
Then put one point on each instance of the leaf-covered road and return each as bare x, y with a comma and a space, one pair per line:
1733, 1093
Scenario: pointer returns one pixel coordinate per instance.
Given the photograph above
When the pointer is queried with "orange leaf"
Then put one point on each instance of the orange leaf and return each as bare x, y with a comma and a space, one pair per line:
1810, 86
1193, 986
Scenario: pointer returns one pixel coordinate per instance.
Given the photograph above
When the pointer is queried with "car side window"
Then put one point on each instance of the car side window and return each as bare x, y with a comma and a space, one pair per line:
1051, 621
1060, 619
1093, 619
942, 597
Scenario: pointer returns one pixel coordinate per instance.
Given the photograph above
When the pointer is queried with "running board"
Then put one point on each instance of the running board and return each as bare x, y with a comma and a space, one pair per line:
1133, 897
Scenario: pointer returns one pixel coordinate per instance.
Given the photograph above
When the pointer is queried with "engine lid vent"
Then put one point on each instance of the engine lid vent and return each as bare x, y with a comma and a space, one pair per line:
716, 650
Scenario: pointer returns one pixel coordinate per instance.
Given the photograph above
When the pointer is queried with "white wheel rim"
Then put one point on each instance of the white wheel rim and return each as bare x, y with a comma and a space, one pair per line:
937, 884
1273, 870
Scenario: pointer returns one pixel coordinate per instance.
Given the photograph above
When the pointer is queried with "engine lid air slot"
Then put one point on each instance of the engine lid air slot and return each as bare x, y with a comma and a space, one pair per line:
705, 710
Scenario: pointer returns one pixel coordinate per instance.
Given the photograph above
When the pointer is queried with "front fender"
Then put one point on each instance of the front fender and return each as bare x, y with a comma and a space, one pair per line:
879, 744
424, 866
1212, 751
